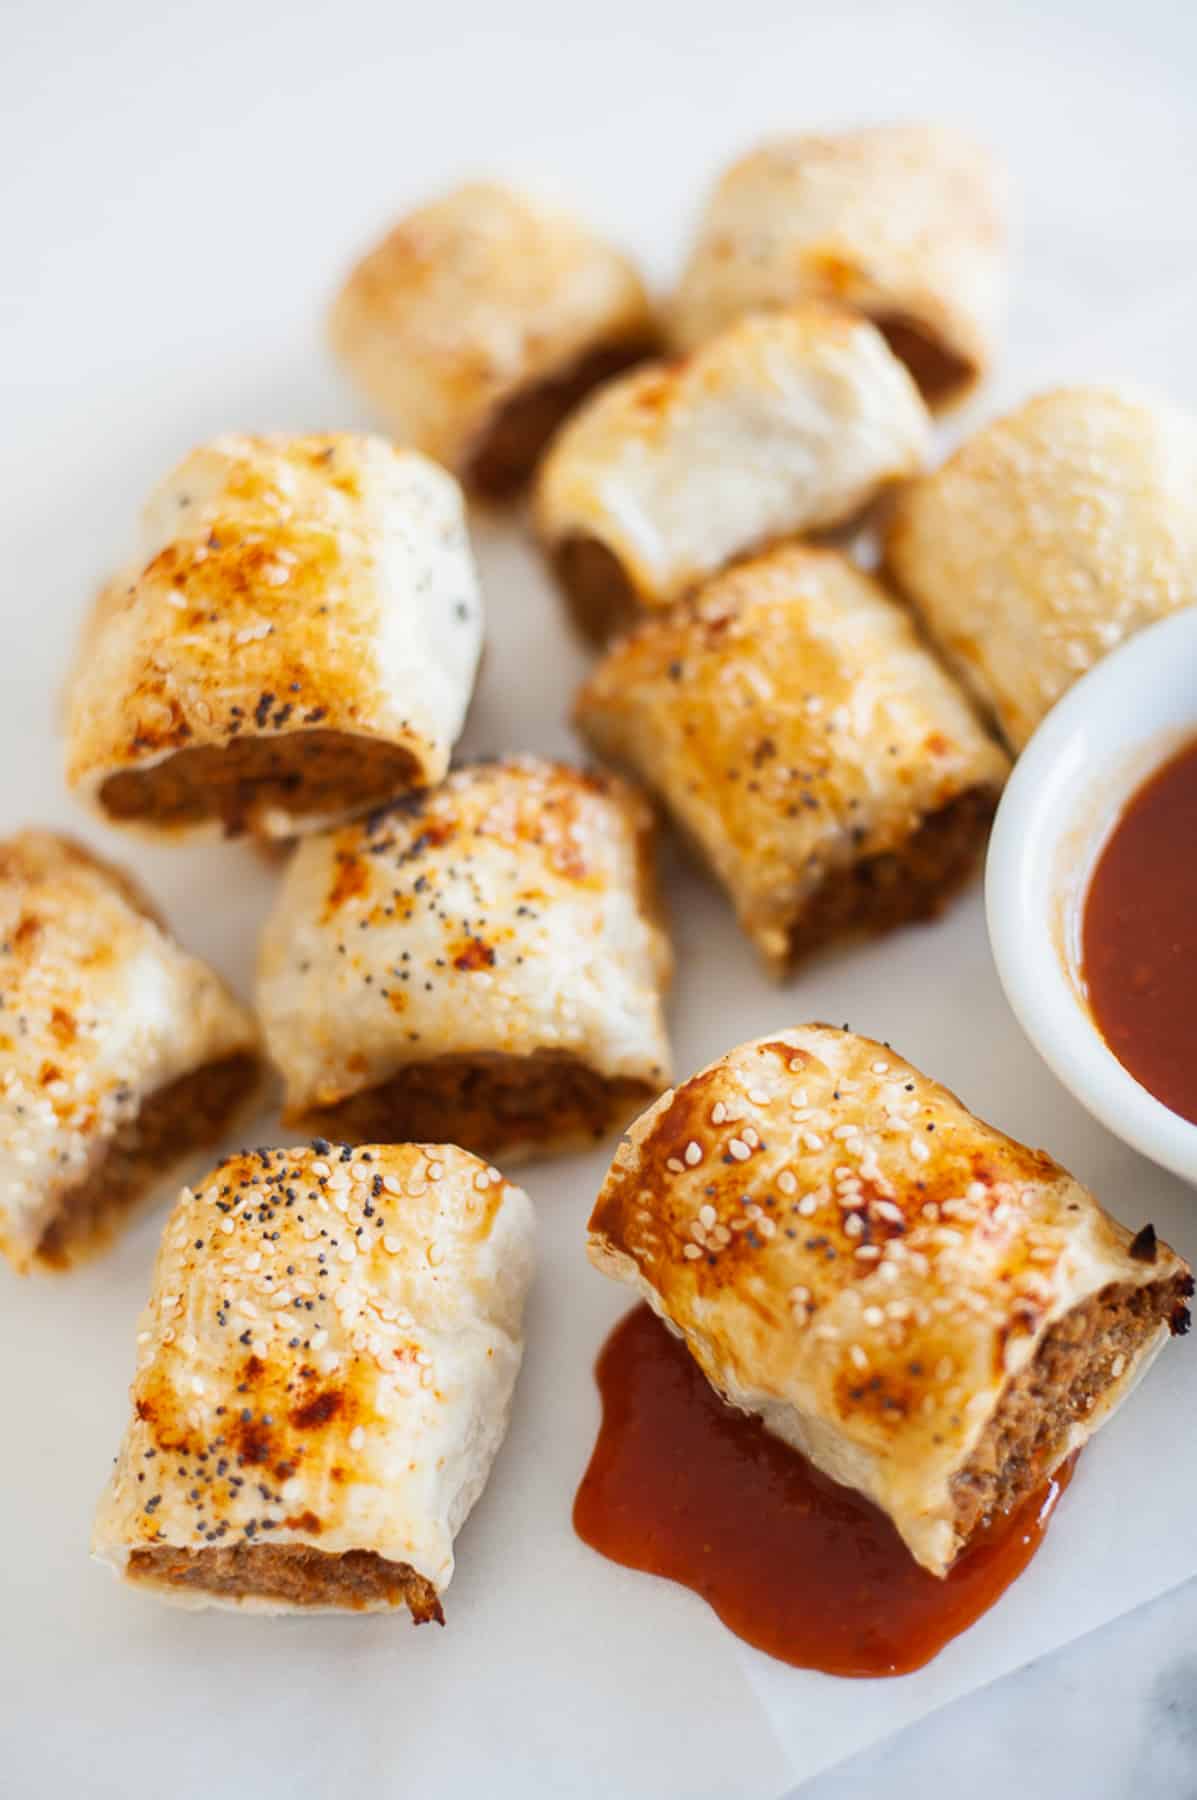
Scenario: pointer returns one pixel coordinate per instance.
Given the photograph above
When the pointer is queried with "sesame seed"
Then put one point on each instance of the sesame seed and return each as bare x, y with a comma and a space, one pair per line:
691, 1252
391, 1244
739, 1149
718, 1113
707, 1216
880, 1068
435, 1254
919, 1151
812, 1140
859, 1359
693, 1153
787, 1182
758, 1096
357, 1438
867, 1252
348, 1251
873, 1315
807, 1205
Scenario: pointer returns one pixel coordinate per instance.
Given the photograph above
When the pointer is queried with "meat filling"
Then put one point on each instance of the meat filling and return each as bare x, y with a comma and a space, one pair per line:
487, 1104
601, 599
301, 772
179, 1118
293, 1575
939, 373
898, 886
521, 428
1079, 1358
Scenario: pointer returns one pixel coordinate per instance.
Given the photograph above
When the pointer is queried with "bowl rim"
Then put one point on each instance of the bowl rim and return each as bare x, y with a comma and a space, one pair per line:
1033, 820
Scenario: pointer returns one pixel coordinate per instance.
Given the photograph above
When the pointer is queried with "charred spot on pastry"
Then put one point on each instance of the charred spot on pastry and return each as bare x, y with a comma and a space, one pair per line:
1143, 1245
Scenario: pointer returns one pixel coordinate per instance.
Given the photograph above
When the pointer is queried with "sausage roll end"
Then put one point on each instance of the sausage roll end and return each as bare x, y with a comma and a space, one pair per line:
487, 953
807, 743
784, 423
122, 1053
325, 1373
297, 642
480, 321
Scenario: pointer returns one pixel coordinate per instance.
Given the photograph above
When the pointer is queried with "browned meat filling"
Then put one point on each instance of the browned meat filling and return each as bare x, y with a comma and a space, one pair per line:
601, 598
179, 1118
518, 433
293, 1574
1076, 1362
301, 771
487, 1104
881, 892
939, 374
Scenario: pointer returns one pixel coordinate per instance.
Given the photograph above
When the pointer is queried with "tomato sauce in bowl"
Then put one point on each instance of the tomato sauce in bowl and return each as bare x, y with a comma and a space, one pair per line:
1139, 935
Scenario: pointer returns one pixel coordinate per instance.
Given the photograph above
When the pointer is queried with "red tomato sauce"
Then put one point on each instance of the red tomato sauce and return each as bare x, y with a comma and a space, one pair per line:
682, 1485
1139, 936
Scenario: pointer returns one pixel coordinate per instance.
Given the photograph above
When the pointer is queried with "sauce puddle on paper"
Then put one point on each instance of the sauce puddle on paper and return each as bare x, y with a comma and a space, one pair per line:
1139, 948
681, 1484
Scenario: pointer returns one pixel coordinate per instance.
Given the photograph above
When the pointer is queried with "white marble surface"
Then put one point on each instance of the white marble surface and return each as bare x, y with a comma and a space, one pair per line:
1111, 1717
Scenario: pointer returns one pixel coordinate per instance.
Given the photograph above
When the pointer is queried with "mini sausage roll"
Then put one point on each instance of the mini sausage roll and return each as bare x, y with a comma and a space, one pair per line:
903, 223
1049, 537
324, 1378
121, 1053
297, 642
819, 758
786, 423
480, 320
486, 954
932, 1313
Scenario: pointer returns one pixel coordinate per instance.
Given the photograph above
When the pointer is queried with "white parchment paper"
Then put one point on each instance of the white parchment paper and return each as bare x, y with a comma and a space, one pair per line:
181, 192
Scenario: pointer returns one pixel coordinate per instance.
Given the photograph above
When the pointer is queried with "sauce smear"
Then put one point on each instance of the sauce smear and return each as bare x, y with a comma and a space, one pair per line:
1139, 936
682, 1485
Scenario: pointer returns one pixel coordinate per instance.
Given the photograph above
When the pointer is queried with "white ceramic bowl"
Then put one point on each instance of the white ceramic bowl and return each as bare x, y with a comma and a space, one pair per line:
1082, 765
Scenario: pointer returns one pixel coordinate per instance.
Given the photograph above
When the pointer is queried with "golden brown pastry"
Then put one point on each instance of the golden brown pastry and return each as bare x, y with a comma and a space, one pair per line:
932, 1313
297, 641
324, 1378
1049, 537
480, 320
903, 223
785, 423
485, 957
824, 765
121, 1053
